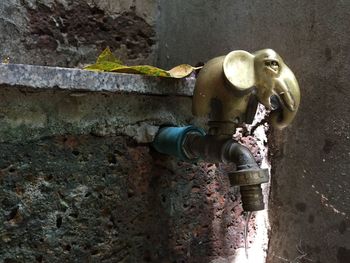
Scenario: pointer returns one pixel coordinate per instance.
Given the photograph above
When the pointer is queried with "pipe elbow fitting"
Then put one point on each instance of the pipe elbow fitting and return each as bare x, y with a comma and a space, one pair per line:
240, 155
249, 176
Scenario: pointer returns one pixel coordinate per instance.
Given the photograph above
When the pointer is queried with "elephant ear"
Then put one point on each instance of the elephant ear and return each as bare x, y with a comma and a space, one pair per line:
238, 68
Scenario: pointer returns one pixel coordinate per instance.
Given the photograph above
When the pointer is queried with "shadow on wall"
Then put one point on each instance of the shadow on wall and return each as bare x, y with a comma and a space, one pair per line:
106, 199
199, 208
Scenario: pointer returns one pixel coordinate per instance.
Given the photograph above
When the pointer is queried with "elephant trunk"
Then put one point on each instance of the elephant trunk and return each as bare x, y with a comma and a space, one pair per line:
288, 96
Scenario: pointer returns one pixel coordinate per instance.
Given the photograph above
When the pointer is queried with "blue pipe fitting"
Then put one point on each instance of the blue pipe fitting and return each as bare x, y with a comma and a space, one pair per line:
169, 140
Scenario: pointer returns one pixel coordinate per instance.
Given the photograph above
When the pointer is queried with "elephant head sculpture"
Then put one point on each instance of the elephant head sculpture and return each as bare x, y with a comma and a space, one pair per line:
228, 88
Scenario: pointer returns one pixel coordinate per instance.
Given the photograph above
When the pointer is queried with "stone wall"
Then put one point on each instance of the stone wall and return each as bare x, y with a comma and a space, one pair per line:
135, 213
80, 182
309, 208
70, 33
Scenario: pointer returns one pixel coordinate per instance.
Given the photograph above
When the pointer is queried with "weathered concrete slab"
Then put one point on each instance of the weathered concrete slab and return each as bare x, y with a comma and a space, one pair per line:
72, 79
40, 101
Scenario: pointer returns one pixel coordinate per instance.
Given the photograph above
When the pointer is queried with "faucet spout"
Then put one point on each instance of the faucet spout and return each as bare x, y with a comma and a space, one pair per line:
248, 175
191, 144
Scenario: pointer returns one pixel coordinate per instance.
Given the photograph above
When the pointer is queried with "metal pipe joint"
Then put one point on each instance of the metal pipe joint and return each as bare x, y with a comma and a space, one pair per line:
191, 144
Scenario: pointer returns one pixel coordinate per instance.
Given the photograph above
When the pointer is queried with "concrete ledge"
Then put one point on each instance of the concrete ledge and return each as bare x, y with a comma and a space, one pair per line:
74, 101
42, 77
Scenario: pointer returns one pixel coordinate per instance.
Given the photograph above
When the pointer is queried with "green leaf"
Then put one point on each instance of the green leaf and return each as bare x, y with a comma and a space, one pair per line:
107, 62
107, 56
103, 66
151, 71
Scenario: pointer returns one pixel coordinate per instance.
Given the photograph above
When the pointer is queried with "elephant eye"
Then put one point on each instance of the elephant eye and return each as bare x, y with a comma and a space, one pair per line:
273, 64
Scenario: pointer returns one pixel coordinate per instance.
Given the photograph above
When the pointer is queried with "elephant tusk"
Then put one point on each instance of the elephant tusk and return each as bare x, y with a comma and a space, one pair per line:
286, 97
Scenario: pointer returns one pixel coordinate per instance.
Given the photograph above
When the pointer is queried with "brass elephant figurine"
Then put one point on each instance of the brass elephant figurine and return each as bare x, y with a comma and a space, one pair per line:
228, 88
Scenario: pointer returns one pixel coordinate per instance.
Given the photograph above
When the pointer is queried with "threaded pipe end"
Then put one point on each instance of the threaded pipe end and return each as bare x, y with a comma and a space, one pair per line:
252, 198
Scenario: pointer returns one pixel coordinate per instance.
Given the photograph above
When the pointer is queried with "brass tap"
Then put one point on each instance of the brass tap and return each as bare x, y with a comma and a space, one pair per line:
227, 91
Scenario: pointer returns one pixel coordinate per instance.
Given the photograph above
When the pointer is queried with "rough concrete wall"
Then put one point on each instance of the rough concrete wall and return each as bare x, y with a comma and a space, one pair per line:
311, 190
72, 190
106, 199
309, 207
70, 33
80, 184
